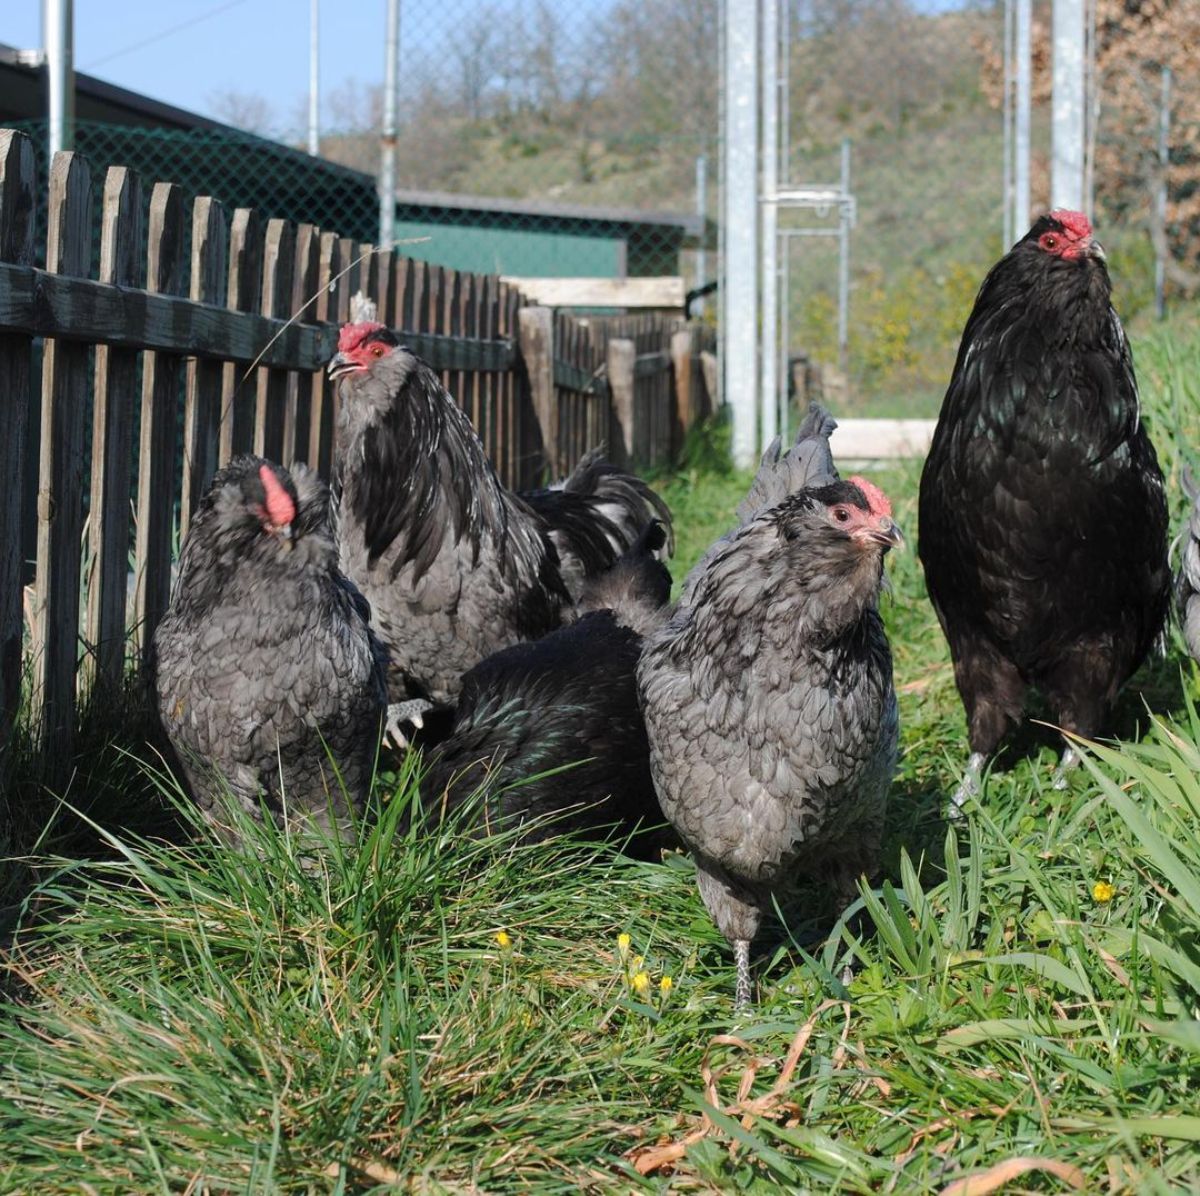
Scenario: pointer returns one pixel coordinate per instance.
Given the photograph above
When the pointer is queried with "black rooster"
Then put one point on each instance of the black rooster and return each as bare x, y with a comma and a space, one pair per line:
455, 566
1043, 521
565, 705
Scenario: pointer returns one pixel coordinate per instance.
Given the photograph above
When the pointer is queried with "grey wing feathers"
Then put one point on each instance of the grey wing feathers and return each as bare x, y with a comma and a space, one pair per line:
1187, 583
809, 462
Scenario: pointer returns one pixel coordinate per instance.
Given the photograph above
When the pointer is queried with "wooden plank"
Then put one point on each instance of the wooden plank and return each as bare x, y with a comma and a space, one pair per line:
351, 278
682, 347
161, 374
321, 426
121, 241
38, 303
279, 262
664, 292
60, 473
385, 265
535, 327
298, 405
18, 205
245, 287
402, 307
202, 400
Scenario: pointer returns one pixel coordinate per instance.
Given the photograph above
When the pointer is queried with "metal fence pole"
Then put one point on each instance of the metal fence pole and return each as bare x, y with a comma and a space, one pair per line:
741, 224
1066, 176
768, 361
1164, 162
58, 33
314, 79
844, 264
387, 140
1021, 188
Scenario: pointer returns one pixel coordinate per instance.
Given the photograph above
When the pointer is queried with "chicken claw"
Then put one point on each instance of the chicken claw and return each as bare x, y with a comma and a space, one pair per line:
399, 713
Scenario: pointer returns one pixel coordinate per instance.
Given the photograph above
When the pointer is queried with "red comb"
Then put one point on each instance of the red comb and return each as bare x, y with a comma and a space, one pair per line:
353, 335
1076, 223
877, 501
279, 502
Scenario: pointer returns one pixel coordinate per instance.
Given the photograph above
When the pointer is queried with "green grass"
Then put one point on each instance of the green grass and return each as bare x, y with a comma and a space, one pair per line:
177, 1017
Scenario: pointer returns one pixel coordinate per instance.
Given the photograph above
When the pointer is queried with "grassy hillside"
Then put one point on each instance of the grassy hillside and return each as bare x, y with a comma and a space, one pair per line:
462, 1016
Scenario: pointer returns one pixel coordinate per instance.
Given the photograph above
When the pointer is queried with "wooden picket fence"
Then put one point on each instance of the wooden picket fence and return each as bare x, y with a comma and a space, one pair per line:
221, 350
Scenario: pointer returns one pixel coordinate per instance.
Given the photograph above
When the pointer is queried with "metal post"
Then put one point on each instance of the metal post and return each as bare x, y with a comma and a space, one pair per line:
1008, 233
58, 34
387, 139
702, 213
768, 361
844, 263
1066, 175
314, 79
1164, 162
741, 224
1021, 188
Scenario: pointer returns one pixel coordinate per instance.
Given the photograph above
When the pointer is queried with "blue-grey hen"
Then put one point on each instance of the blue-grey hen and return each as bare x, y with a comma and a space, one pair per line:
455, 565
549, 733
768, 694
1187, 581
269, 682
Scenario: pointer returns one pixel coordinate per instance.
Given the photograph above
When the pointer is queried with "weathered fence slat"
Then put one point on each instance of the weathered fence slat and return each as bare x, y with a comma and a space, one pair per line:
298, 407
121, 241
161, 373
202, 403
245, 275
60, 470
536, 328
279, 260
18, 203
321, 425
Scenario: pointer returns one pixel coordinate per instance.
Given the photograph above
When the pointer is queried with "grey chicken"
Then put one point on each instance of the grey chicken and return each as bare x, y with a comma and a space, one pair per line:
456, 566
768, 694
1187, 583
565, 704
269, 682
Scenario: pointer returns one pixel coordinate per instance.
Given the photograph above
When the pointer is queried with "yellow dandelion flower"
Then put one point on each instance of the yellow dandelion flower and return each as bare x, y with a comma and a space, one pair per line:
1103, 892
623, 943
640, 983
503, 939
635, 964
665, 985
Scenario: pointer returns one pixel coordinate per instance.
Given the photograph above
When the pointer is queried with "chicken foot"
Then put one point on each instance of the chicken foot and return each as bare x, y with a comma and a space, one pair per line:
741, 993
1067, 765
970, 786
399, 713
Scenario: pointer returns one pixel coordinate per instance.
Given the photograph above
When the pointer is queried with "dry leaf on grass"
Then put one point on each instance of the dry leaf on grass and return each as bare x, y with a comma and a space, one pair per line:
983, 1182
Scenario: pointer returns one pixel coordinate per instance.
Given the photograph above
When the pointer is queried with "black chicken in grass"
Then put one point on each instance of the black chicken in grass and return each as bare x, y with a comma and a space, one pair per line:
768, 694
1043, 520
455, 566
1187, 582
269, 682
566, 704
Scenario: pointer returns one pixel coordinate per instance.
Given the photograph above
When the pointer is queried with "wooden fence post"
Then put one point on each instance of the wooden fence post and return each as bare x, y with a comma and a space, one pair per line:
621, 360
202, 405
160, 411
279, 259
298, 411
18, 178
321, 427
535, 334
60, 472
681, 363
245, 274
121, 241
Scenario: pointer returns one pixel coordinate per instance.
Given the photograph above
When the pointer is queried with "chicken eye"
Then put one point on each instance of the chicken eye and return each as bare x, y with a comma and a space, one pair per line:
377, 351
841, 514
1049, 241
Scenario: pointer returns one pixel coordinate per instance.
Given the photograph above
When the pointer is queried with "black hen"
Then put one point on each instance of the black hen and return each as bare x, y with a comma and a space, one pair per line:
268, 679
1043, 521
456, 566
566, 702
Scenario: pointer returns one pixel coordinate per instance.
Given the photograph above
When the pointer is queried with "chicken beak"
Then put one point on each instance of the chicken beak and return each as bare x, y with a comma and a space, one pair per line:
887, 532
339, 365
1096, 250
284, 532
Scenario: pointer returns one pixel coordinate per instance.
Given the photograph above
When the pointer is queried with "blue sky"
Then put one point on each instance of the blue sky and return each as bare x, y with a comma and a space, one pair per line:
231, 45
